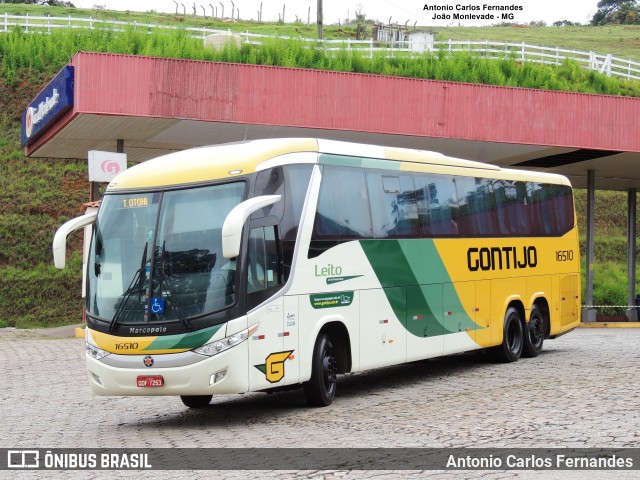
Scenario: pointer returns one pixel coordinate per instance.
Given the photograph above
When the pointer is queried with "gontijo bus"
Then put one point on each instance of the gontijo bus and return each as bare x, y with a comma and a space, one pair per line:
278, 263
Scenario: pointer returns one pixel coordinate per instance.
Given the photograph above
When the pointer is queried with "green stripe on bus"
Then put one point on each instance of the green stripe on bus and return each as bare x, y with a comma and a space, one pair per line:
416, 265
185, 340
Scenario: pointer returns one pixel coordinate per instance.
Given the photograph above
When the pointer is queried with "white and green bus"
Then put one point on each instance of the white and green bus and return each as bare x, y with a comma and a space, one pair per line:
277, 263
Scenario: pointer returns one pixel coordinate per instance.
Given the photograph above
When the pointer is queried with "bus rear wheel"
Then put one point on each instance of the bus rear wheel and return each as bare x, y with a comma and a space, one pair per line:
512, 339
196, 401
320, 390
533, 334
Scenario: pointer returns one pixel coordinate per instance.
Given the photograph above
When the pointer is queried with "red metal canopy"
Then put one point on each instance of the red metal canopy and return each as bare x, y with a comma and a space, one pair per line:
157, 105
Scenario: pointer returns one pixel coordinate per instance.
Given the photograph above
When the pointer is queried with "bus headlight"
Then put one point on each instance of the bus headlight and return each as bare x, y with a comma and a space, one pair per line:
95, 352
213, 348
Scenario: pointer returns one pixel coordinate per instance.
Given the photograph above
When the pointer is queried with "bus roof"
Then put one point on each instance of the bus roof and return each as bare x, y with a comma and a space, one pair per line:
209, 163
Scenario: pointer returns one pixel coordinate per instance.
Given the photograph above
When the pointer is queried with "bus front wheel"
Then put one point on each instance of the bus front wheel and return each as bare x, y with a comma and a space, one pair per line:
320, 390
512, 339
196, 401
533, 334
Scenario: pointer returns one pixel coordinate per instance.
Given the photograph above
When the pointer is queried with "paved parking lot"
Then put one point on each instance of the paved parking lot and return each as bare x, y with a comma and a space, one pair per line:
582, 391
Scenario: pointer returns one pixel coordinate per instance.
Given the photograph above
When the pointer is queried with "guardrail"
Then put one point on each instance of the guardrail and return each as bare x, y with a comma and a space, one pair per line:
607, 64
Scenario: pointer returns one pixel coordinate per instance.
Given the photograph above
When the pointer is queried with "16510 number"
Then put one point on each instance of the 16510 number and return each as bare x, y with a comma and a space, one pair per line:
564, 255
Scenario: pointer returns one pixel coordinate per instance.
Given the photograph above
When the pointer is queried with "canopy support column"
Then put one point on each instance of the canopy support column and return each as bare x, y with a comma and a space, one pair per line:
589, 313
632, 313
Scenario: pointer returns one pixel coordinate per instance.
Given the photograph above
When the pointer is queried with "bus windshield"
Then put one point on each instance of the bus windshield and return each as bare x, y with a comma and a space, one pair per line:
157, 257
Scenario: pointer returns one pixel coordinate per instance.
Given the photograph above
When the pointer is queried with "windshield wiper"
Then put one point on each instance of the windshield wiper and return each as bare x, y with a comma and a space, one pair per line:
174, 304
136, 286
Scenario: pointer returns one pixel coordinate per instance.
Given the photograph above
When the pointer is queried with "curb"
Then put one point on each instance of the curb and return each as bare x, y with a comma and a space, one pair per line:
609, 325
65, 331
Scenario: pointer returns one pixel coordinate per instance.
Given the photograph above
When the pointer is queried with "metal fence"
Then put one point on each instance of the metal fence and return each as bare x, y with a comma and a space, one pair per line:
607, 64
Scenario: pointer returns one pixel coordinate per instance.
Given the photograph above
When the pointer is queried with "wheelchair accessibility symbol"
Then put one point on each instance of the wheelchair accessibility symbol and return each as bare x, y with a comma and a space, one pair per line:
157, 305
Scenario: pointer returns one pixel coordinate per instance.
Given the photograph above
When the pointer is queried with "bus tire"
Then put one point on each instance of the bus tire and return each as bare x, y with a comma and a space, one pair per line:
511, 347
196, 401
320, 390
533, 334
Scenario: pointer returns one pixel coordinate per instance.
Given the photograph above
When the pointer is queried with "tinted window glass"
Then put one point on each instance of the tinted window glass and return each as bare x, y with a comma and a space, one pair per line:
190, 266
290, 181
437, 205
410, 205
543, 214
343, 209
394, 212
512, 207
476, 207
563, 206
262, 272
343, 205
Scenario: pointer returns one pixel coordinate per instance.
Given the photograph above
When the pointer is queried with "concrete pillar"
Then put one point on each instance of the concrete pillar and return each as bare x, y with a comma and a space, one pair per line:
589, 314
632, 313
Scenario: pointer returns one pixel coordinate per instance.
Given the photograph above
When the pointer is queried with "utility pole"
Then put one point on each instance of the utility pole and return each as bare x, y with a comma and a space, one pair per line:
320, 29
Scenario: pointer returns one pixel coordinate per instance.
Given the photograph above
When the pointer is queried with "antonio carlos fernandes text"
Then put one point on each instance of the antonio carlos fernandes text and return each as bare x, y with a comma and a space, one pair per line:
533, 462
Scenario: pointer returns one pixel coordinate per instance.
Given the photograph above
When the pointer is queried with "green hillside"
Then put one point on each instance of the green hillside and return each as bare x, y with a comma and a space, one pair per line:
37, 195
619, 40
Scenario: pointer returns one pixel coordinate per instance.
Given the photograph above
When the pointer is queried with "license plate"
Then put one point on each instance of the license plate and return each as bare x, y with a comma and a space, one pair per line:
147, 381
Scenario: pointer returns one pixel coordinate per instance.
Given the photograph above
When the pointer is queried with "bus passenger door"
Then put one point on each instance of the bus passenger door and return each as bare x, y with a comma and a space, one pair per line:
424, 321
267, 355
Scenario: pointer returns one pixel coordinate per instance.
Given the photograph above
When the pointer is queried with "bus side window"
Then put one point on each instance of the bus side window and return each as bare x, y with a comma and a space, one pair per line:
270, 182
437, 205
543, 213
343, 209
394, 212
290, 181
263, 271
513, 206
476, 207
563, 206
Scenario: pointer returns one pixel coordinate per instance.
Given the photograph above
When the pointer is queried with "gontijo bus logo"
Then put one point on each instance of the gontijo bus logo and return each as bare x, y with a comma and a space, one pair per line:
55, 99
499, 258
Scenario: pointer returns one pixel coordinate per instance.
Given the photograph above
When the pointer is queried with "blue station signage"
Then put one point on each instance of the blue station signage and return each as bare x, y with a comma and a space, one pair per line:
55, 99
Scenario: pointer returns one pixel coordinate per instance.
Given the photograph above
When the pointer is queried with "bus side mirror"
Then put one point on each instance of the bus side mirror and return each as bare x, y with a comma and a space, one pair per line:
232, 227
60, 238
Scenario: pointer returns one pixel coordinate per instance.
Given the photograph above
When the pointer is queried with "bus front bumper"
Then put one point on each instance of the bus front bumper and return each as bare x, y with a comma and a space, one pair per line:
224, 373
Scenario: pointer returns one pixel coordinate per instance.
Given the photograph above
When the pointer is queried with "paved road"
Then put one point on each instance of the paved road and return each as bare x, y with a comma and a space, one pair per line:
582, 391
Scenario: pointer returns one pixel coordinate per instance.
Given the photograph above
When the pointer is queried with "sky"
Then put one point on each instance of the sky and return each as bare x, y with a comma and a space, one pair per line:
399, 11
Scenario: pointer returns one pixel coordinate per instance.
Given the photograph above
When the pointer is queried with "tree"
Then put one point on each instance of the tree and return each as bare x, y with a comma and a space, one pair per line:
617, 12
